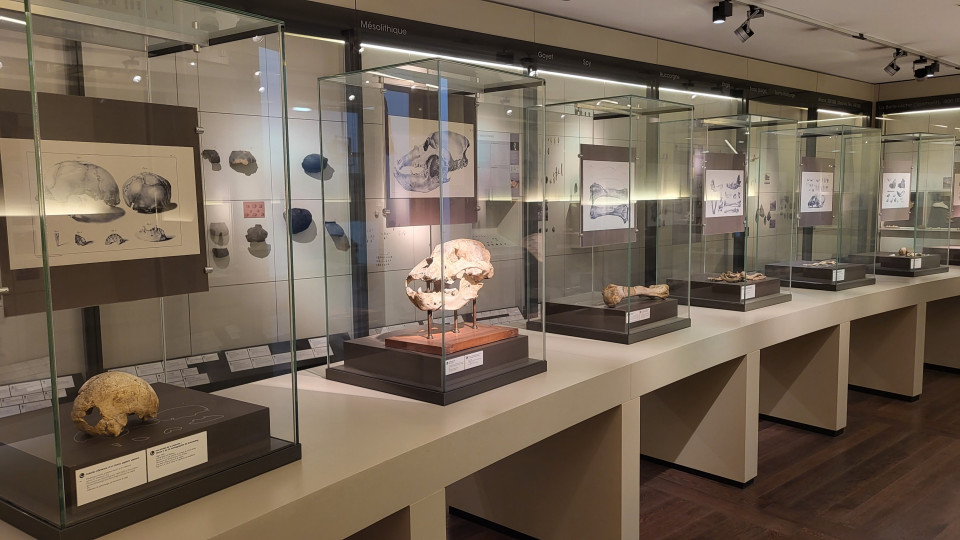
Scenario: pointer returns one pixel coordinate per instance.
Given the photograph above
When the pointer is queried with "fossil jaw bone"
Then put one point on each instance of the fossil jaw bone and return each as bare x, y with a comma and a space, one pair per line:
614, 294
463, 259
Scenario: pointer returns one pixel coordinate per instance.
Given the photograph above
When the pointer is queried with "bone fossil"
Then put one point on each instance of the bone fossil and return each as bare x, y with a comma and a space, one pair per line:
115, 394
597, 191
620, 210
423, 168
614, 294
465, 260
825, 262
115, 239
737, 277
905, 252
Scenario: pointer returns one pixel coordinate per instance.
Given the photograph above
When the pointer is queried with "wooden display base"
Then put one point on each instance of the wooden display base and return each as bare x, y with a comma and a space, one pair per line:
923, 265
837, 277
585, 315
445, 340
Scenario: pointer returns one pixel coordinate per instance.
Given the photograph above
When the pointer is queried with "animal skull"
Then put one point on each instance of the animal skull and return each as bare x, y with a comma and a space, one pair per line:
115, 394
422, 168
465, 260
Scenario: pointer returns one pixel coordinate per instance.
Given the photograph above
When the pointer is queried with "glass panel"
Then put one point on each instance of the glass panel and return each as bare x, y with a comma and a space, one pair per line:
617, 184
144, 233
838, 207
446, 154
744, 210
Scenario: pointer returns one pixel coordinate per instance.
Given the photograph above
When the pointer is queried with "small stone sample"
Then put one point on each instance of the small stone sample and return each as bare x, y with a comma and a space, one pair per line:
300, 220
211, 155
314, 163
219, 233
257, 234
242, 157
115, 394
221, 253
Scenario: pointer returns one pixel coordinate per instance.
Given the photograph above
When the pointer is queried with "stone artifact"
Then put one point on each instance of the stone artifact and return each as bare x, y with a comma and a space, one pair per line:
242, 157
904, 252
148, 193
149, 233
464, 260
115, 239
300, 220
423, 169
219, 233
819, 264
614, 294
737, 277
211, 155
115, 394
221, 253
257, 234
314, 163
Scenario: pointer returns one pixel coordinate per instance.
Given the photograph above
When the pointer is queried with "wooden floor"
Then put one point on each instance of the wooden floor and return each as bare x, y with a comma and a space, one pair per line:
893, 474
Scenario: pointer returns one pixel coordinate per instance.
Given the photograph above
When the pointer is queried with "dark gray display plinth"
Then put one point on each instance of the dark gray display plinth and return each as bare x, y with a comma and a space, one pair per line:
369, 363
238, 447
836, 277
951, 255
585, 315
740, 296
923, 265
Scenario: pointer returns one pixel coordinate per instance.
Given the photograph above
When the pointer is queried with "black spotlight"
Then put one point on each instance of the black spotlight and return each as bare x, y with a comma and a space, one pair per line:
920, 70
892, 68
721, 11
744, 32
933, 68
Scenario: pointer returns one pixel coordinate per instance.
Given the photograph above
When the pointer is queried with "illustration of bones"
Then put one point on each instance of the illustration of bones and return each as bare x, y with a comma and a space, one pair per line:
620, 210
86, 187
149, 233
614, 294
423, 169
463, 260
81, 241
819, 264
817, 201
115, 239
597, 191
737, 277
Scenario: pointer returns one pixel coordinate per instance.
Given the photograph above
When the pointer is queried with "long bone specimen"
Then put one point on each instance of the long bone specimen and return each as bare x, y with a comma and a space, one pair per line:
597, 191
737, 277
825, 262
619, 210
424, 168
614, 294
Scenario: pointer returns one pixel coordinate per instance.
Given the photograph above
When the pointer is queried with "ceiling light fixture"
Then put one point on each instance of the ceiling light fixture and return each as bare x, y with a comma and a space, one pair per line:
892, 68
721, 11
921, 71
744, 32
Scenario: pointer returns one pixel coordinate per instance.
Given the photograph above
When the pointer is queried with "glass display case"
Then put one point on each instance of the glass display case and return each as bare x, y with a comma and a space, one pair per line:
745, 170
433, 236
917, 204
143, 260
617, 227
837, 209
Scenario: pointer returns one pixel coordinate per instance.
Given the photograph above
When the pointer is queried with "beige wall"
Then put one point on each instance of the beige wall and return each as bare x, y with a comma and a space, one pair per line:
936, 86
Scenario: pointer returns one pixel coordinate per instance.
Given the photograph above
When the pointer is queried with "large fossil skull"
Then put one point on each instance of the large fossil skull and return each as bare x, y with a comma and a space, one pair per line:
423, 168
115, 394
463, 260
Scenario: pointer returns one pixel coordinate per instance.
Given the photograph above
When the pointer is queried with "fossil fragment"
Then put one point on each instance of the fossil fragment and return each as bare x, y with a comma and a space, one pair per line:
737, 277
819, 264
211, 155
151, 233
115, 239
243, 161
620, 210
597, 191
115, 394
905, 252
257, 234
423, 168
817, 201
314, 163
614, 294
81, 241
148, 193
86, 187
300, 220
219, 233
221, 253
465, 261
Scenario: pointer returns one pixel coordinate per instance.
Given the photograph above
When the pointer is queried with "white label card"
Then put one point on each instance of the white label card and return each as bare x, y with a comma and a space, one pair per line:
306, 355
176, 456
263, 361
455, 365
748, 291
189, 371
473, 360
196, 380
194, 360
282, 358
149, 369
238, 354
27, 407
839, 275
638, 315
111, 477
211, 357
62, 382
9, 411
132, 370
318, 343
256, 352
241, 365
4, 391
915, 264
30, 387
176, 363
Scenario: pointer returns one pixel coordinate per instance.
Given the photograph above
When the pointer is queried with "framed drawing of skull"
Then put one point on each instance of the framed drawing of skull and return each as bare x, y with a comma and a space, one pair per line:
429, 159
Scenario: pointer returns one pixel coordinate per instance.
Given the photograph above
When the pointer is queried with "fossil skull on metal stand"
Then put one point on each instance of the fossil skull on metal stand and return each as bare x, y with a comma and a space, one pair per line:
463, 260
425, 167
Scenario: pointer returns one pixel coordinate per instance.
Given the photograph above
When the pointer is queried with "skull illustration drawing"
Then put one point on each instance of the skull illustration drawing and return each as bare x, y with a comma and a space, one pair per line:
463, 260
115, 394
424, 168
